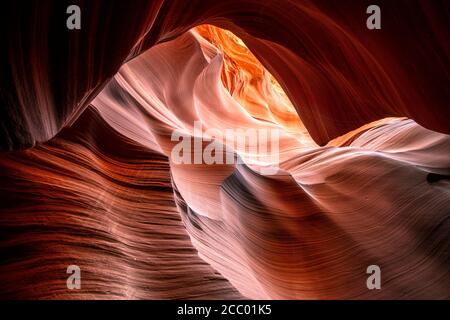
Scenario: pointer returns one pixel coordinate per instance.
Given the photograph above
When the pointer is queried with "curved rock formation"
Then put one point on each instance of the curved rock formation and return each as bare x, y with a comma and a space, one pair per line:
357, 179
338, 75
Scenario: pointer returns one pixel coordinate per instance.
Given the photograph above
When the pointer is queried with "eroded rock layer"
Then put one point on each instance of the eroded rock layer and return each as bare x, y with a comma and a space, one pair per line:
361, 170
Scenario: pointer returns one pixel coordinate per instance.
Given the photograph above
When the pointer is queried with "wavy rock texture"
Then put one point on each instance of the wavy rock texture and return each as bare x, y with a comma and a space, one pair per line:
338, 75
358, 182
96, 199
